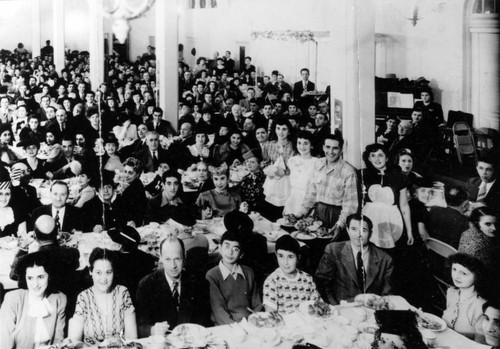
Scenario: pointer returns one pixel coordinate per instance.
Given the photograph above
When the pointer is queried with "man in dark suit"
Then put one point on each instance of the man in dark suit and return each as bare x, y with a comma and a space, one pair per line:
159, 125
448, 223
355, 266
68, 165
61, 126
67, 217
169, 296
485, 188
300, 89
153, 155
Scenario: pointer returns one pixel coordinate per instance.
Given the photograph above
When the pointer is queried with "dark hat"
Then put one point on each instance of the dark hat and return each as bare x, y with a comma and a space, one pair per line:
398, 322
422, 182
25, 143
288, 243
5, 127
126, 236
238, 221
111, 138
108, 178
184, 217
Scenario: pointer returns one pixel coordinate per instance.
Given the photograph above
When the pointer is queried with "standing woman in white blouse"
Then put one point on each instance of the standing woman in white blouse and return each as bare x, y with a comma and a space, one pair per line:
301, 170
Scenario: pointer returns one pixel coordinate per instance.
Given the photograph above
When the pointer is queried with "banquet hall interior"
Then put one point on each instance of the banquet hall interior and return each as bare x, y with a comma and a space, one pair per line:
370, 61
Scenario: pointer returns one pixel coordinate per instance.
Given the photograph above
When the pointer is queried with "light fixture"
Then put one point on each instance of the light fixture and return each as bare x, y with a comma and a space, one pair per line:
121, 11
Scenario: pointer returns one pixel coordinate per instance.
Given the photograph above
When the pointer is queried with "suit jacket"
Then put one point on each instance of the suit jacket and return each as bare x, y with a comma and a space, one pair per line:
131, 204
155, 303
71, 219
298, 88
163, 127
492, 199
336, 276
447, 225
69, 130
144, 156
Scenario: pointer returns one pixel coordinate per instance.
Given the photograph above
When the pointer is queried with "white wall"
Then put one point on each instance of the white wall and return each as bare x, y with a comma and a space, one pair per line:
433, 48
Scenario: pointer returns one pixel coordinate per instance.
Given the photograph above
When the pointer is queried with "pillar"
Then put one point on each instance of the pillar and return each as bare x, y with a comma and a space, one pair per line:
96, 43
353, 80
58, 33
167, 77
35, 28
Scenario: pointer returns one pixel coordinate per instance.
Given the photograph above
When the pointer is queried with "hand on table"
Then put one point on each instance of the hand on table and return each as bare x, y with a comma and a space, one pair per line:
160, 328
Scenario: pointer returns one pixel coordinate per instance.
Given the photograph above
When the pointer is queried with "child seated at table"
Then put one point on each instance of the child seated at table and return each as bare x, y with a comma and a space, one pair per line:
220, 200
463, 303
232, 286
251, 186
288, 286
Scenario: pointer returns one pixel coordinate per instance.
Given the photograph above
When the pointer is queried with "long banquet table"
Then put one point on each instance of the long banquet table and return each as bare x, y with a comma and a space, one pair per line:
333, 333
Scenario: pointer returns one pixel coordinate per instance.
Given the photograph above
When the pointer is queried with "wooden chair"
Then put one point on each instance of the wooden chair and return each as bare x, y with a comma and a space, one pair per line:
438, 257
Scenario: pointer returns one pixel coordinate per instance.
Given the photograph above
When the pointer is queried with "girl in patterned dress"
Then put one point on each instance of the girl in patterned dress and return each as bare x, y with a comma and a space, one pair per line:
105, 309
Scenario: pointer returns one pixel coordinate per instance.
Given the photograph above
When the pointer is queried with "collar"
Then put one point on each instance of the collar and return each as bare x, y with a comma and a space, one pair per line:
225, 271
282, 275
170, 282
365, 250
324, 164
62, 211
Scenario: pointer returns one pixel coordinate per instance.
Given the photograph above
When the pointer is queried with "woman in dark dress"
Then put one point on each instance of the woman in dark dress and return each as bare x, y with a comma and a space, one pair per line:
36, 165
385, 198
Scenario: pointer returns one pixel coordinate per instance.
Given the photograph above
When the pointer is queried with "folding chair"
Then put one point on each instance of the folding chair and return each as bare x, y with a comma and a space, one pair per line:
463, 139
438, 257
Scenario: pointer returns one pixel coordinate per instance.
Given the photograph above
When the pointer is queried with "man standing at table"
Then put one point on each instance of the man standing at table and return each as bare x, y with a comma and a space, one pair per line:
169, 296
333, 189
352, 267
300, 90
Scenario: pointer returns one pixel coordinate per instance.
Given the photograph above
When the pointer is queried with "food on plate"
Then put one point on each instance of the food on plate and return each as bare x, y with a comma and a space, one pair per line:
266, 320
190, 335
323, 232
63, 237
304, 235
429, 322
290, 219
308, 224
374, 302
319, 309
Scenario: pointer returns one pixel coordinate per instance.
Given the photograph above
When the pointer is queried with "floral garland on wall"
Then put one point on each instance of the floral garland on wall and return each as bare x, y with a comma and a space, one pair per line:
286, 35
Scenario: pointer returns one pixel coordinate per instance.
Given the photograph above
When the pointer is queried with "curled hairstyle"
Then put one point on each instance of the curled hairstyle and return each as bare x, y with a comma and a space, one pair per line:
474, 265
479, 212
372, 148
37, 259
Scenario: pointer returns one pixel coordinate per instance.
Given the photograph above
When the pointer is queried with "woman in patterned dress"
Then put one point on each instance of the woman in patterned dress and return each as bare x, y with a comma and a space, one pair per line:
105, 309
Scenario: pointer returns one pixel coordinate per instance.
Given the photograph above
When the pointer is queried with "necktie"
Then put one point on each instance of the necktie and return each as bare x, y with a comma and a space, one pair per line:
58, 223
482, 192
155, 161
360, 271
175, 294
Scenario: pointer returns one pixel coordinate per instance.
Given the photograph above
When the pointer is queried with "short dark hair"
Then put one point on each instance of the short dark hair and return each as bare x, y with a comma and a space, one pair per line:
360, 218
64, 184
304, 69
158, 110
489, 158
305, 135
333, 137
235, 236
288, 243
455, 195
169, 174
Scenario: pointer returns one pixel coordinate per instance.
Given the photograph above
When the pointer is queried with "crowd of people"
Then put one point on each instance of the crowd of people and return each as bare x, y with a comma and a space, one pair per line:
132, 167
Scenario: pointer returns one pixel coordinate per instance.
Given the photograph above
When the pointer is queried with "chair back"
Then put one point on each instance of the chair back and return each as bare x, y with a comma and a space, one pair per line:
439, 247
456, 116
463, 140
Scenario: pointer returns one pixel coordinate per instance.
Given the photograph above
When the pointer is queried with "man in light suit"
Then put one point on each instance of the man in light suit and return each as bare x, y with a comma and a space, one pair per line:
485, 188
169, 296
67, 217
352, 267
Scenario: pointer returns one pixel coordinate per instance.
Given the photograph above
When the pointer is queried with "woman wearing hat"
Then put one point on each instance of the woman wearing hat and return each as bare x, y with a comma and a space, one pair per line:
111, 159
36, 165
12, 219
32, 130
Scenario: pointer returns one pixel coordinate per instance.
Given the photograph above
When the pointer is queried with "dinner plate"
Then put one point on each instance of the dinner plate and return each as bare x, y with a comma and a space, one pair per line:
284, 223
189, 335
304, 309
433, 318
263, 320
304, 237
